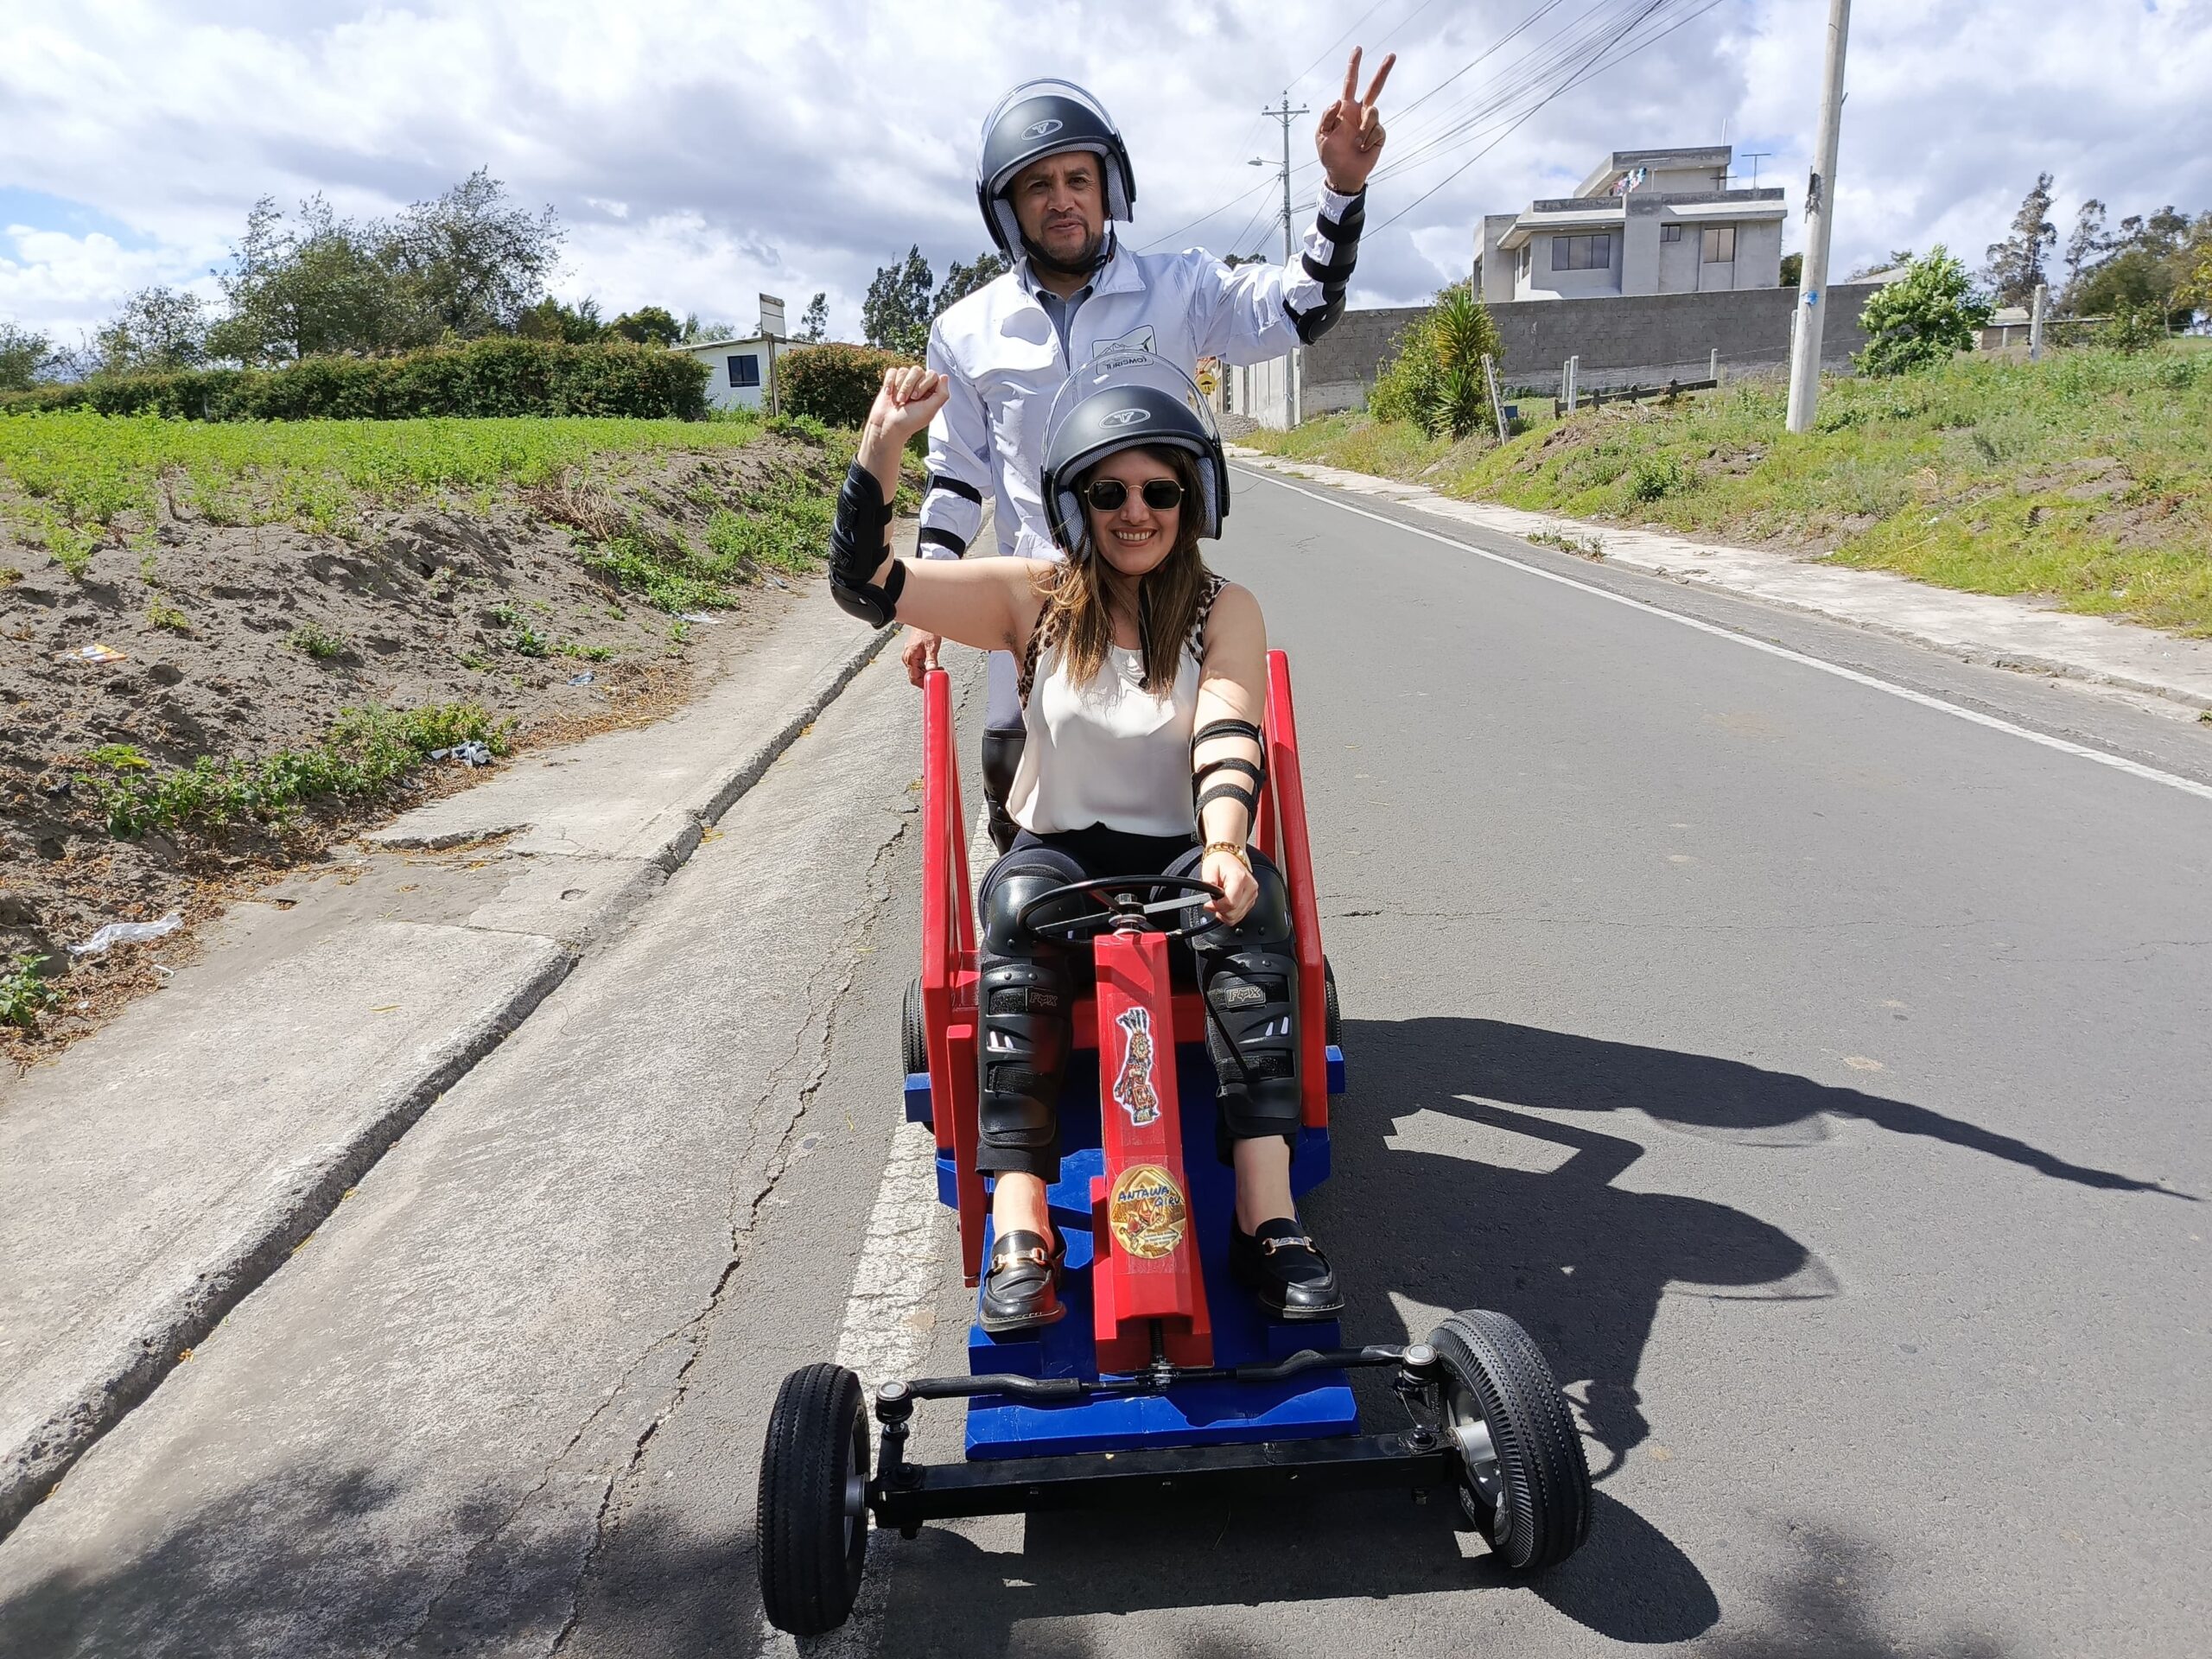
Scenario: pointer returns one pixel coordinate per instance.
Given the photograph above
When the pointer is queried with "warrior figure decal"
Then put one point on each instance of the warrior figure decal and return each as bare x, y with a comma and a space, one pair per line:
1133, 1091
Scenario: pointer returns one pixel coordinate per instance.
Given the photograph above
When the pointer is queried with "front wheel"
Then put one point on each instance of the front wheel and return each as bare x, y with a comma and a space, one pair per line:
1524, 1483
812, 1520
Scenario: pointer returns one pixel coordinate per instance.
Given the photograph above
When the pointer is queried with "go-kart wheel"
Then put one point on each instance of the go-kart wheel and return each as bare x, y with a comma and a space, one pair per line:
812, 1520
1524, 1483
913, 1036
1333, 1023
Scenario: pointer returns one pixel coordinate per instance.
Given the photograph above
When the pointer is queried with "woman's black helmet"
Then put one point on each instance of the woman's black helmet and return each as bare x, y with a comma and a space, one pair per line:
1127, 399
1040, 118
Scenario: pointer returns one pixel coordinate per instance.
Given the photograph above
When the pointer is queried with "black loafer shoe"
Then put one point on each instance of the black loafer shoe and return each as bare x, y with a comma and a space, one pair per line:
1286, 1269
1020, 1291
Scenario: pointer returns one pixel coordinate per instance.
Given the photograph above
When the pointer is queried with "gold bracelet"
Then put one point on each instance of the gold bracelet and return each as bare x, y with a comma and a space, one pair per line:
1235, 849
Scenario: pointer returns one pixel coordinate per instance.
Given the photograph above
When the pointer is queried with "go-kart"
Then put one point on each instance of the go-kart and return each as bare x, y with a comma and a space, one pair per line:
1164, 1379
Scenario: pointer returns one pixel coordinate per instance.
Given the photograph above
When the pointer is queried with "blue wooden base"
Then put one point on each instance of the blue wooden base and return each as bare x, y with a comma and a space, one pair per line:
1312, 1405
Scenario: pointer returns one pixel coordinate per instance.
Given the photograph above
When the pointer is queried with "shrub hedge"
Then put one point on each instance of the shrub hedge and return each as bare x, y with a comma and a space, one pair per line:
834, 384
499, 376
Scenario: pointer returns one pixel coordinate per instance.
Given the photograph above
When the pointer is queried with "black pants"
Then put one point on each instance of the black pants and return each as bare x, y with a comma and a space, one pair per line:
1247, 973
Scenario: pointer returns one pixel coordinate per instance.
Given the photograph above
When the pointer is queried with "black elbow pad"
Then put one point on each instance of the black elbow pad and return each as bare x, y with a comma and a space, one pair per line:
856, 548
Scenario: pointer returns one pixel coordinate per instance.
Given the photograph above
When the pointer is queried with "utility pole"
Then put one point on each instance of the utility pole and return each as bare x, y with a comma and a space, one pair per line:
1284, 115
1820, 211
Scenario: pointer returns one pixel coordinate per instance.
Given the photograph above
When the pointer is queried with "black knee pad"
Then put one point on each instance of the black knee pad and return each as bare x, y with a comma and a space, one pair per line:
1026, 1003
1250, 981
1026, 1030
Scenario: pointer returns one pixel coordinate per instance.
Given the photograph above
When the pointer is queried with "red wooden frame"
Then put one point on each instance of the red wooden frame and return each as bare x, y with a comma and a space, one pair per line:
949, 972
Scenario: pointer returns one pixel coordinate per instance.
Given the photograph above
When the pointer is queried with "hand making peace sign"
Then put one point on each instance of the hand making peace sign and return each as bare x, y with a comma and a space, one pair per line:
1348, 135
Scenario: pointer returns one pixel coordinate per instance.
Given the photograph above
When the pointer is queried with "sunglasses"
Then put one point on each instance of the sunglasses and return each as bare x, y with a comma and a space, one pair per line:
1160, 494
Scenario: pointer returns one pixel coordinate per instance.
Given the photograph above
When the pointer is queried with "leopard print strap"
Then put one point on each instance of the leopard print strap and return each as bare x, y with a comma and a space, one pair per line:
1031, 654
1196, 645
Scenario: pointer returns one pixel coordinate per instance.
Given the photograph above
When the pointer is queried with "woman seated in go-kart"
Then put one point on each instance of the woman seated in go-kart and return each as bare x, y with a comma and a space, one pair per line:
1142, 684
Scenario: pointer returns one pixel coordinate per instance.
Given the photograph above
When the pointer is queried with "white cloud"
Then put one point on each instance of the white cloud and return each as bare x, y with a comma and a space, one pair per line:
702, 151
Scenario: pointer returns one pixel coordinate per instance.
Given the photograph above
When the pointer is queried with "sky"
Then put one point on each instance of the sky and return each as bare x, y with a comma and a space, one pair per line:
701, 152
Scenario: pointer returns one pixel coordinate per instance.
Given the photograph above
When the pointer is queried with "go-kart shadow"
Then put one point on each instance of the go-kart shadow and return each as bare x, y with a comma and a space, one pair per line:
951, 1594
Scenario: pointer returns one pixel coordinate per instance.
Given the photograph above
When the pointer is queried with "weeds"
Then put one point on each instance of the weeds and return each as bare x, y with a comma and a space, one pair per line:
1585, 547
24, 991
160, 613
365, 751
321, 643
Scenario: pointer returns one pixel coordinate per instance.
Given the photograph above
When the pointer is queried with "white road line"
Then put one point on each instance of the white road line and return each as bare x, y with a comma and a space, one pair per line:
890, 1315
2118, 763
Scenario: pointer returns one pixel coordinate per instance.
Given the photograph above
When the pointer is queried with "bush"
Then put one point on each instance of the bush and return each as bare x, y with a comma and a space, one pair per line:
1436, 378
2134, 328
501, 376
1919, 320
834, 384
1653, 478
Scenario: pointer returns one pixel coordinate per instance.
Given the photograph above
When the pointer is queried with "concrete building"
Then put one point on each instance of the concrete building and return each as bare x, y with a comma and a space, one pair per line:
1645, 221
741, 369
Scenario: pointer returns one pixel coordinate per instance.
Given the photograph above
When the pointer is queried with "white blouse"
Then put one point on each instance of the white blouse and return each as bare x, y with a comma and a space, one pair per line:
1109, 753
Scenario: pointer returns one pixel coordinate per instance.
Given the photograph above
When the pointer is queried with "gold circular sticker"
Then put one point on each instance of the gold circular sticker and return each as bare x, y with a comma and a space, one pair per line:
1146, 1211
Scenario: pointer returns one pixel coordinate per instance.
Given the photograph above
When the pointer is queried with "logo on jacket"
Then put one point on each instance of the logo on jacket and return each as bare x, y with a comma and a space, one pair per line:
1132, 1090
1146, 1213
1126, 417
1042, 129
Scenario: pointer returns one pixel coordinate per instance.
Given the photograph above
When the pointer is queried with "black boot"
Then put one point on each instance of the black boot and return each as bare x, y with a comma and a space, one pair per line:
1286, 1269
1022, 1290
1001, 760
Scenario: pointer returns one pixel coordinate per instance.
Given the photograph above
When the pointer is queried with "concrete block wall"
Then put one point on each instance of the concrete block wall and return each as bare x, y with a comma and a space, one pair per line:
1632, 339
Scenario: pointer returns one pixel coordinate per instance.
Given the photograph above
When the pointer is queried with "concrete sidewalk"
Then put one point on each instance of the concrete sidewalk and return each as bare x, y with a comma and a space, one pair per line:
160, 1169
1988, 628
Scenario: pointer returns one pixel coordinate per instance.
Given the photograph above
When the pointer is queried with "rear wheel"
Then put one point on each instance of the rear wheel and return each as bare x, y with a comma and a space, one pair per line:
1524, 1483
812, 1523
914, 1035
1332, 1022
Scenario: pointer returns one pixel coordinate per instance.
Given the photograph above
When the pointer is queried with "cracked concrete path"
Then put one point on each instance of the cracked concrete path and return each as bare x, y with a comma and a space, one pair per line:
410, 1439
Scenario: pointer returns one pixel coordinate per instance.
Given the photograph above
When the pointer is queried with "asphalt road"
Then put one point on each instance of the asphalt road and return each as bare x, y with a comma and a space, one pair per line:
1818, 1074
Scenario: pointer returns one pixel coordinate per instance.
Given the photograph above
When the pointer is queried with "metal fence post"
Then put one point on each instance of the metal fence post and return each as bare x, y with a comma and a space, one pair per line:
2035, 323
1712, 367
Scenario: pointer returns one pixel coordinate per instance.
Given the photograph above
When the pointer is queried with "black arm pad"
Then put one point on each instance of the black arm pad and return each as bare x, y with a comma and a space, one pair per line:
856, 548
1342, 236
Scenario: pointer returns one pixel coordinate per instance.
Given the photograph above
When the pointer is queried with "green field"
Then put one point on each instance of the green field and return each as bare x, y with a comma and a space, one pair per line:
2086, 479
72, 480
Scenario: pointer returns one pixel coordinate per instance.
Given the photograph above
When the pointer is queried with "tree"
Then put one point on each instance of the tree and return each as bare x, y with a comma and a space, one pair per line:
649, 325
2149, 265
549, 319
2015, 268
895, 316
469, 263
157, 328
1436, 380
814, 321
1897, 256
2084, 246
26, 358
1792, 272
320, 287
960, 280
1917, 321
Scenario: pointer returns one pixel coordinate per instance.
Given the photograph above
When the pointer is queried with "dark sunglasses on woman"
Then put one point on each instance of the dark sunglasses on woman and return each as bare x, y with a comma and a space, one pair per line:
1107, 494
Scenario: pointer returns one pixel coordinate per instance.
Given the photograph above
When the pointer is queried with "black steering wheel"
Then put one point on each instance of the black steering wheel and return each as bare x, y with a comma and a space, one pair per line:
1122, 909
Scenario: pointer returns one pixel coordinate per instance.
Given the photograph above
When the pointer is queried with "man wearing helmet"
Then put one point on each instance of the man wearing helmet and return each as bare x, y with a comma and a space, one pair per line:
1052, 176
1141, 681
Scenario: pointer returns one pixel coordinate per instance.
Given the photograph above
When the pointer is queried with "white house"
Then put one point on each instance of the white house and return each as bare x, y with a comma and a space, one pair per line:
741, 369
1646, 221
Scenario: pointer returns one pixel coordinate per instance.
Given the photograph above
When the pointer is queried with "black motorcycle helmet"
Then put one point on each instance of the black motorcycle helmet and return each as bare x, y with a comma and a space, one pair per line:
1127, 400
1040, 118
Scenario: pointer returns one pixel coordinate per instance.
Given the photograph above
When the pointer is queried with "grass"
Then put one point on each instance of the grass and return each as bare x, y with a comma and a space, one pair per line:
364, 754
2086, 479
73, 479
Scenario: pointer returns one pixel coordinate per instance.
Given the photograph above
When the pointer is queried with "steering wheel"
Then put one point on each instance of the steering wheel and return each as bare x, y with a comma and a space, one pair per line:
1122, 908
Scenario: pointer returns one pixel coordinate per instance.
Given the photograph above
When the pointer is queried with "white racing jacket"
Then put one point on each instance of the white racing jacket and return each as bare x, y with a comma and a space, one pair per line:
1001, 357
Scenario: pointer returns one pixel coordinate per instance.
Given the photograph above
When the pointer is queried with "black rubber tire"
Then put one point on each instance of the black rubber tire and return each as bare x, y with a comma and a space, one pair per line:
1543, 1515
1332, 1023
913, 1036
812, 1552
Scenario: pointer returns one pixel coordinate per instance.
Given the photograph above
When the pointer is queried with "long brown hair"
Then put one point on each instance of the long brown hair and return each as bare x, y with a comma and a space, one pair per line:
1077, 618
